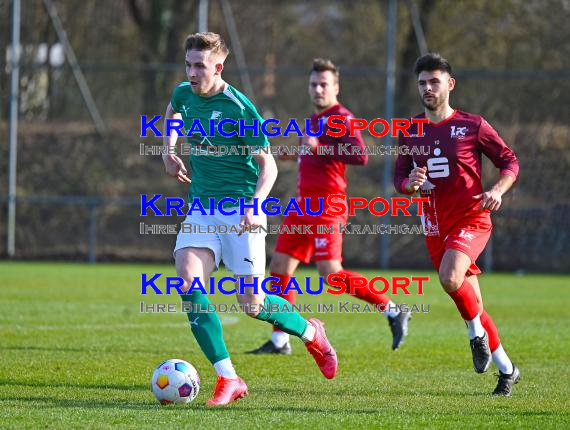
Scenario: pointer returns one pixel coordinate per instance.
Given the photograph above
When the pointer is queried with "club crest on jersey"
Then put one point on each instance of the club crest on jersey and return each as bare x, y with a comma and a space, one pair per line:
321, 242
458, 132
185, 109
466, 235
216, 115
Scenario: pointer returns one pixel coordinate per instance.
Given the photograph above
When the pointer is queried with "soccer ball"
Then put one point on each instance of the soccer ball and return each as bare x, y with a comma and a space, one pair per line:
175, 381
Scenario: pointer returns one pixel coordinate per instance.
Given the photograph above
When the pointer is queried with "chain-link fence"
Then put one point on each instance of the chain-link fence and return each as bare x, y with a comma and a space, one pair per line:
77, 191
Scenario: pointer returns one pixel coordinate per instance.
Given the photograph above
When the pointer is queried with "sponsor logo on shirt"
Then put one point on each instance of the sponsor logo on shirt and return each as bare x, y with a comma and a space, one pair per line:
438, 167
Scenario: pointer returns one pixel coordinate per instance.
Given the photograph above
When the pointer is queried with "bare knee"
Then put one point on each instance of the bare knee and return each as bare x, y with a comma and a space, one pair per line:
450, 281
193, 264
250, 302
185, 287
186, 278
183, 282
275, 266
328, 267
454, 266
324, 272
283, 264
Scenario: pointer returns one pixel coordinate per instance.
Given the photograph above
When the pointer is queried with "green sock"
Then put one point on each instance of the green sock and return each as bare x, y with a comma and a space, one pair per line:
288, 321
206, 327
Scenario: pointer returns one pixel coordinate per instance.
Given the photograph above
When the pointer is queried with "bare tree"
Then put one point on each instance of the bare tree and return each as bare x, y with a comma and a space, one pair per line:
161, 25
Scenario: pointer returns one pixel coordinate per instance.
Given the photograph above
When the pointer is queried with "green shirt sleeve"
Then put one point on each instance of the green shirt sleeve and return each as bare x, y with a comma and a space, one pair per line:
249, 114
175, 99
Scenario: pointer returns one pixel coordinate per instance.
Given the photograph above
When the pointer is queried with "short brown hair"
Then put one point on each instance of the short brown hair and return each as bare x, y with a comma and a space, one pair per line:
206, 41
324, 65
430, 62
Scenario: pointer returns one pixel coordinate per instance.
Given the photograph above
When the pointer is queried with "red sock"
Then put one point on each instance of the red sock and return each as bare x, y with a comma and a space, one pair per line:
283, 281
364, 293
492, 332
466, 301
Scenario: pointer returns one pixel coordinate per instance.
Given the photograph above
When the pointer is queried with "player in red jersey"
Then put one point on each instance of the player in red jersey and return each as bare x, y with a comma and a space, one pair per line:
320, 176
457, 217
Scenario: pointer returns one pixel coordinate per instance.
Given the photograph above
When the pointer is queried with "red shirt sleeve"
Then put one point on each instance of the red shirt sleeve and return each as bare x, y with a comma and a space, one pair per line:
404, 165
497, 150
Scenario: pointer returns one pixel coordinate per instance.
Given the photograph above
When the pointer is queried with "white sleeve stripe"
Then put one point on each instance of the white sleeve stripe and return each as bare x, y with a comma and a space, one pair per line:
230, 95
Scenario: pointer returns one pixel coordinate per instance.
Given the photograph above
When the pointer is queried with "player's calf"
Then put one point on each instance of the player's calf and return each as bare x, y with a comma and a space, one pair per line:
451, 281
252, 304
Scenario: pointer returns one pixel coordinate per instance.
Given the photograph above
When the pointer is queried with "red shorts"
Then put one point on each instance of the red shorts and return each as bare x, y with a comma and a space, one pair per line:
470, 236
320, 246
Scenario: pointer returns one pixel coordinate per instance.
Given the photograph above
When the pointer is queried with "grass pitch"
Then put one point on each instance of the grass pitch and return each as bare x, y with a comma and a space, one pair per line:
76, 352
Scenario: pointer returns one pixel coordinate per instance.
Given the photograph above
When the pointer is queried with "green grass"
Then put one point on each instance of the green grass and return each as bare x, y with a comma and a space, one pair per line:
76, 352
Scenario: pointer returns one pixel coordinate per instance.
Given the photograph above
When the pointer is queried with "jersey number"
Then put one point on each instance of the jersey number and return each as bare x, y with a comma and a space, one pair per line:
438, 167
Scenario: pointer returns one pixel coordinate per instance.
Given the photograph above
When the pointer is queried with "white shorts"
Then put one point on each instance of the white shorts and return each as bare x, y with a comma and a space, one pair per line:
242, 255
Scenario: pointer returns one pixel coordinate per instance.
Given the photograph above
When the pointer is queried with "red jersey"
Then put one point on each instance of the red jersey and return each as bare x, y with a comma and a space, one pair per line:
454, 146
321, 175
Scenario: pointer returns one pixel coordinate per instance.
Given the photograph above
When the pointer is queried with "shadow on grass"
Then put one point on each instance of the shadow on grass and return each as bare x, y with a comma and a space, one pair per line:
248, 407
275, 391
390, 391
88, 350
53, 402
67, 385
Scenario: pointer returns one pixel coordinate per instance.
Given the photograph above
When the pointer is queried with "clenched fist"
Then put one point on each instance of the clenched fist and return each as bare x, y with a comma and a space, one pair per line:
416, 179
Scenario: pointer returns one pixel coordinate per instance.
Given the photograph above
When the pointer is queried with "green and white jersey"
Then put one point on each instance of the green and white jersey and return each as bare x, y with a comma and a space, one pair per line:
228, 173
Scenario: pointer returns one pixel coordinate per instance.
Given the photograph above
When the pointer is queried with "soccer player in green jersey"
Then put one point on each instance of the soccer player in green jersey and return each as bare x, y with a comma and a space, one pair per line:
227, 174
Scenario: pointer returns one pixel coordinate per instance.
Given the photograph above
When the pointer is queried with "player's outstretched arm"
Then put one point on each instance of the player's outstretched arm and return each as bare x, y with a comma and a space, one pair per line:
492, 199
172, 163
